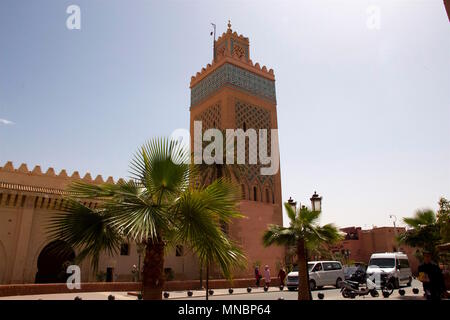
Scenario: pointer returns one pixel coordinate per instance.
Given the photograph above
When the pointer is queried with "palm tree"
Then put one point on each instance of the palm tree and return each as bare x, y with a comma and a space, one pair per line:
157, 207
424, 232
216, 202
304, 233
209, 172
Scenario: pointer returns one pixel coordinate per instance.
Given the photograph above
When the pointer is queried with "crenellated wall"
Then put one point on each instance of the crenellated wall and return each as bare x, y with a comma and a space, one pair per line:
27, 199
48, 179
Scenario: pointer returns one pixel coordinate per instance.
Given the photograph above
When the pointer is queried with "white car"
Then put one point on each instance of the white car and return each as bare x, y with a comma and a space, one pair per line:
391, 265
321, 273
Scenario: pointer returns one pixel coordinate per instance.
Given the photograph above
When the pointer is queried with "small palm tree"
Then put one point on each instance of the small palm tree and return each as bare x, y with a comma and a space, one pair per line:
157, 207
304, 233
424, 232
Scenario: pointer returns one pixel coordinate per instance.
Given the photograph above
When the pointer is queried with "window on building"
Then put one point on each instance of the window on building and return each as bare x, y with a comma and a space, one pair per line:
255, 194
125, 249
22, 202
179, 251
267, 196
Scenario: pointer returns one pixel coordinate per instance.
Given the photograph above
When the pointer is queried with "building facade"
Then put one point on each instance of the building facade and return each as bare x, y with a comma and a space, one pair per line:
358, 244
27, 199
235, 93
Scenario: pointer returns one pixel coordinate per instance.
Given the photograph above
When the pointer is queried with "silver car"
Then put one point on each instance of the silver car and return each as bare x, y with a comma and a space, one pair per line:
321, 273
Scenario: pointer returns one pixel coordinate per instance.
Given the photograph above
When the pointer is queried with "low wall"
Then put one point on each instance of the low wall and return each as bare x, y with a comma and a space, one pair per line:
51, 288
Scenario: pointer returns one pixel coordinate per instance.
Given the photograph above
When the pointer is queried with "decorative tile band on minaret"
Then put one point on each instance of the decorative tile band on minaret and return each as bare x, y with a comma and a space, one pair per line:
229, 74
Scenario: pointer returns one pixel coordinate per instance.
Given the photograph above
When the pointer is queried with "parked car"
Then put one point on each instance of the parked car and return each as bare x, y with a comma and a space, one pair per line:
321, 273
390, 265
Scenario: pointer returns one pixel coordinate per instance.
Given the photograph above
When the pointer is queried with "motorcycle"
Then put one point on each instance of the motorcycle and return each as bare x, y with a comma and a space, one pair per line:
351, 289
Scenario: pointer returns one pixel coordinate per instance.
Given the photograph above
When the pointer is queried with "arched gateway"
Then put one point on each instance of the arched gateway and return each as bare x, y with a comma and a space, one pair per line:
53, 261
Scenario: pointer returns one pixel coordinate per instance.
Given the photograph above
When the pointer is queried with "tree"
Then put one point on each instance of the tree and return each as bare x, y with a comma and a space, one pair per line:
218, 170
443, 219
423, 233
157, 207
304, 233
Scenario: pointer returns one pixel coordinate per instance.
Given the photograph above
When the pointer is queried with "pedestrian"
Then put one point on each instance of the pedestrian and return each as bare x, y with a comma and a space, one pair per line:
135, 273
258, 276
282, 276
267, 275
431, 276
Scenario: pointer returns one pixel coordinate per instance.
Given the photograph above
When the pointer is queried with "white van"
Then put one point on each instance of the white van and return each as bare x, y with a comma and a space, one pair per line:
393, 264
321, 273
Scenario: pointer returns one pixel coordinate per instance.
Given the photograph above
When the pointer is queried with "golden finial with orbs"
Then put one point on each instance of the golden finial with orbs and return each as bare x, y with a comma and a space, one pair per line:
229, 25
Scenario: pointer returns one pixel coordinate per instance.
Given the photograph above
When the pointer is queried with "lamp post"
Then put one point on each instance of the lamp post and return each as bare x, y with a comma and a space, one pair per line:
292, 203
316, 202
347, 255
394, 220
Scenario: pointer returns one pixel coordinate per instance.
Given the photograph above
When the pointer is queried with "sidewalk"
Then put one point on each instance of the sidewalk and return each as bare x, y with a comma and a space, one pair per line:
221, 292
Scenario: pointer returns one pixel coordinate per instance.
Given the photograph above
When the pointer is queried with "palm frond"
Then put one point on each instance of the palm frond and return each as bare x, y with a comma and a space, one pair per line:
133, 211
161, 165
307, 216
222, 197
292, 214
421, 218
88, 230
279, 235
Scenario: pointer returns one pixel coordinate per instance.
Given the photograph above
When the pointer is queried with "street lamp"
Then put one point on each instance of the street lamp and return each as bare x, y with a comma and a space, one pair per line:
394, 220
292, 203
316, 202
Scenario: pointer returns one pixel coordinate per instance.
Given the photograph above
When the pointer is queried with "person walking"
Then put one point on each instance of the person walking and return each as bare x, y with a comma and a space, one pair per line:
267, 275
135, 273
282, 276
258, 276
431, 276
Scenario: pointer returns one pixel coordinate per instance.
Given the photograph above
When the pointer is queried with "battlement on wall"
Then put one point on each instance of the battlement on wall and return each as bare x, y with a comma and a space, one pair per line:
50, 173
256, 68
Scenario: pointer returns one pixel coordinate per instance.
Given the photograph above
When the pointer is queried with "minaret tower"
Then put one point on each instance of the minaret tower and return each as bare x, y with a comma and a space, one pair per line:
230, 93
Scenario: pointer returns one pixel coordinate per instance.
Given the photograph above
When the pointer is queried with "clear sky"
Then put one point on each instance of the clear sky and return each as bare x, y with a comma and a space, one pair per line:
363, 112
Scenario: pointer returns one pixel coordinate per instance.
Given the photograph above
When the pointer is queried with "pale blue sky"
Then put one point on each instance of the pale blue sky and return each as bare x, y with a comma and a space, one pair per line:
363, 114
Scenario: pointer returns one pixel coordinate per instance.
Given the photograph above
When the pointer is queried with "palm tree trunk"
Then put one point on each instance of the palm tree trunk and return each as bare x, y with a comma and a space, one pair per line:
307, 273
303, 278
153, 271
207, 281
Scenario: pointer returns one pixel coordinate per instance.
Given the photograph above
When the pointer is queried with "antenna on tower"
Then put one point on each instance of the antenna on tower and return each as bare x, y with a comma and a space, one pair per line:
214, 41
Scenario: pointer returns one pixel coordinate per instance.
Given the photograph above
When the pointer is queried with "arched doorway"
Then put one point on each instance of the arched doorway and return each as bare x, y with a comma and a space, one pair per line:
53, 261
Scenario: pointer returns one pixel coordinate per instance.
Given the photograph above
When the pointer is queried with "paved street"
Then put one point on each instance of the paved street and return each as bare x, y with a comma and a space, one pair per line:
330, 293
222, 294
